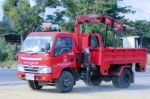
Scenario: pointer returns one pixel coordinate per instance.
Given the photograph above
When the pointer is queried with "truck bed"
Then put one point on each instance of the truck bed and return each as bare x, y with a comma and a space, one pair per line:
107, 57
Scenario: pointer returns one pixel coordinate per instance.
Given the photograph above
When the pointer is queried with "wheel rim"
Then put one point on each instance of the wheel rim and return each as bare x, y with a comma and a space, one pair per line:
126, 79
66, 82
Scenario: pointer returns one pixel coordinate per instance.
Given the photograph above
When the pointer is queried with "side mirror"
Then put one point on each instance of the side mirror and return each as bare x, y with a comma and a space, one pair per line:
47, 46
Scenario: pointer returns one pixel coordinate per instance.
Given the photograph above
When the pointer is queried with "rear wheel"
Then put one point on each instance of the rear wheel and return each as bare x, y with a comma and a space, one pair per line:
65, 83
34, 85
124, 80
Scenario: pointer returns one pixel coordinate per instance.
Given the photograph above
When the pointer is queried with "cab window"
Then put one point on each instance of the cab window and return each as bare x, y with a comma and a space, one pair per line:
63, 45
94, 42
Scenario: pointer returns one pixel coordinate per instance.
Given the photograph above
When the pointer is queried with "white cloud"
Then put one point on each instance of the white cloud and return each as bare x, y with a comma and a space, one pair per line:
51, 11
141, 7
1, 9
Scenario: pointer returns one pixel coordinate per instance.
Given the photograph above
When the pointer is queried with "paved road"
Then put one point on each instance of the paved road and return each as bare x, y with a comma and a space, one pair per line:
8, 77
13, 88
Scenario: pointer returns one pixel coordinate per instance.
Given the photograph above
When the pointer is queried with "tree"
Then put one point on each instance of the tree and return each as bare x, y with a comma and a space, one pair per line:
56, 7
93, 7
21, 17
5, 27
140, 28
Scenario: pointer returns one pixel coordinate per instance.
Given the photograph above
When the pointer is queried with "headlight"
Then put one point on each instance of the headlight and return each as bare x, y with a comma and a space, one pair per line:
20, 68
45, 70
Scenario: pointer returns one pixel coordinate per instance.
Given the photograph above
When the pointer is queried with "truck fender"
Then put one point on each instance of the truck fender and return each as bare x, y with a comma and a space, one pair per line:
57, 73
121, 68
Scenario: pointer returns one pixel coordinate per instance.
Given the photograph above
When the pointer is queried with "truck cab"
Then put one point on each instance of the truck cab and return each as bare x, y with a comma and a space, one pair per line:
36, 62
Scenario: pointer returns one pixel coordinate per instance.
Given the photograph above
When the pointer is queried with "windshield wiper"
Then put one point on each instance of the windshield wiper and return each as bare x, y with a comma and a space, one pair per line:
36, 52
28, 51
32, 52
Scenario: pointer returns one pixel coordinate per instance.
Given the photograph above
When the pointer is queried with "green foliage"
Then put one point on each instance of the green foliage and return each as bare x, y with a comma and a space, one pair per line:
75, 8
5, 28
57, 16
50, 3
93, 7
21, 17
24, 19
3, 56
141, 28
8, 64
6, 51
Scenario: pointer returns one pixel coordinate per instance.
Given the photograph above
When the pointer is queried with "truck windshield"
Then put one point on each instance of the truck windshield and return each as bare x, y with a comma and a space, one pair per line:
36, 43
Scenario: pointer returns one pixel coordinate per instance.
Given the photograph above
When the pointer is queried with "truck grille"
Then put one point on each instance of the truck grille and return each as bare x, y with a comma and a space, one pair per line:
31, 69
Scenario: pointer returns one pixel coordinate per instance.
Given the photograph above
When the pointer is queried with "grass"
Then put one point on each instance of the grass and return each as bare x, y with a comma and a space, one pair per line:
8, 64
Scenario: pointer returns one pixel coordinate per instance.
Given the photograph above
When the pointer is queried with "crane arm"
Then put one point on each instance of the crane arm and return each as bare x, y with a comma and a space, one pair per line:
85, 19
107, 20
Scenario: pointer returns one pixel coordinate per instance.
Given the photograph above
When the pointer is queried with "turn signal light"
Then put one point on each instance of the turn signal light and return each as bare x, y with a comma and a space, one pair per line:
47, 58
43, 78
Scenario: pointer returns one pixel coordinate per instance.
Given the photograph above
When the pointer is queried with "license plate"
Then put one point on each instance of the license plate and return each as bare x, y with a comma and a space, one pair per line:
29, 76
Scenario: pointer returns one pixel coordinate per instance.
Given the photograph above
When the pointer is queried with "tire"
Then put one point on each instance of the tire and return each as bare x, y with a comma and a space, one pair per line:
124, 80
95, 81
65, 82
34, 85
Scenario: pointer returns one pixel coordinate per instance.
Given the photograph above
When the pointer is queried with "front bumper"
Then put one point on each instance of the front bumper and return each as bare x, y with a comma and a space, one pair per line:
37, 77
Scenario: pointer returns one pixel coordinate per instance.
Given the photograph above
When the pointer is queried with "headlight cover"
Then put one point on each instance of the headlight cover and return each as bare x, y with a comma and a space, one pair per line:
20, 68
45, 69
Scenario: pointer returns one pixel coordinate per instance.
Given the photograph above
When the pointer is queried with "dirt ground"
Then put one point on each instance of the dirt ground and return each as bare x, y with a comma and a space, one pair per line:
80, 91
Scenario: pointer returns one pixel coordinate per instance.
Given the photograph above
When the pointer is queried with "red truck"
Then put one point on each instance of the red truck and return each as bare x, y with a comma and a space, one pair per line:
61, 58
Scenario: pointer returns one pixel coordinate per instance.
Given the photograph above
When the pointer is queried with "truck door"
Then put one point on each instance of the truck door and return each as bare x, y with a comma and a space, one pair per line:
95, 50
64, 55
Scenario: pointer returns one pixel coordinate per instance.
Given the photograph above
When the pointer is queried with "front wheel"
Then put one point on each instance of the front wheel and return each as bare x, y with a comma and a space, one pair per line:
124, 80
65, 83
34, 85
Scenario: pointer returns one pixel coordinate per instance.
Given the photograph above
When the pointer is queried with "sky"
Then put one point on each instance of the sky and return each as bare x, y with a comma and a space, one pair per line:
1, 10
141, 7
